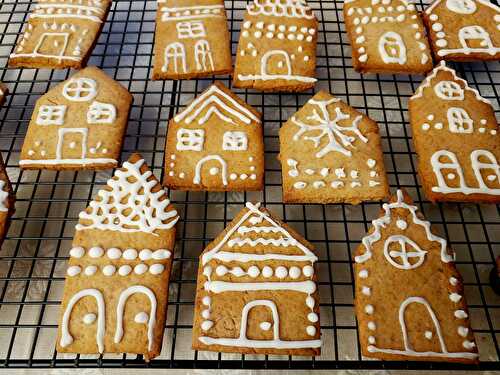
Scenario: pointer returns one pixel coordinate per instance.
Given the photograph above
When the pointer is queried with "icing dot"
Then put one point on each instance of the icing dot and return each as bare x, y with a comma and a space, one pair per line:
265, 326
310, 302
401, 224
109, 270
145, 254
455, 297
74, 270
491, 177
363, 274
294, 272
89, 318
371, 326
483, 121
253, 271
482, 130
213, 171
130, 254
96, 252
425, 126
441, 43
493, 132
371, 339
161, 254
77, 252
460, 314
430, 117
437, 26
221, 270
433, 17
114, 253
453, 281
281, 272
156, 268
141, 317
205, 314
140, 269
267, 271
450, 176
468, 344
207, 271
308, 271
428, 335
206, 300
124, 270
311, 330
366, 291
206, 325
312, 317
90, 270
369, 309
438, 125
463, 331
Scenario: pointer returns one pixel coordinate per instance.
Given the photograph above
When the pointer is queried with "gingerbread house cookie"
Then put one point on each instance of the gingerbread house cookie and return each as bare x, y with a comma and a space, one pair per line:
331, 153
215, 144
464, 30
60, 34
256, 290
79, 124
277, 46
116, 289
192, 39
409, 297
456, 139
7, 201
3, 93
387, 36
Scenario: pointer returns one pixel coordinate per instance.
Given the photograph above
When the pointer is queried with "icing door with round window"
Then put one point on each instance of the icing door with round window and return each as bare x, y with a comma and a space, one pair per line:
276, 62
52, 44
448, 171
261, 320
392, 49
71, 143
474, 37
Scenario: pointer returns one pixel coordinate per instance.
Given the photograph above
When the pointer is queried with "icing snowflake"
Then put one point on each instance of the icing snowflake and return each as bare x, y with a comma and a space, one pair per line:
130, 205
330, 128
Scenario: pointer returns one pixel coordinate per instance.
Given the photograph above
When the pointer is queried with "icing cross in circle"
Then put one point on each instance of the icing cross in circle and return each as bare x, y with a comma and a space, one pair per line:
405, 256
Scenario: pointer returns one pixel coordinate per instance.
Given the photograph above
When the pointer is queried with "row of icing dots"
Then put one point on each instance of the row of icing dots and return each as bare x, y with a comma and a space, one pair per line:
115, 253
253, 271
110, 270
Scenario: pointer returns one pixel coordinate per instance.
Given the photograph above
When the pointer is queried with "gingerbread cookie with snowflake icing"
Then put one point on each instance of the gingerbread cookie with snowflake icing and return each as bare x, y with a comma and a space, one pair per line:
387, 36
456, 139
215, 144
256, 289
277, 46
60, 34
116, 289
331, 153
464, 30
192, 39
7, 201
78, 124
409, 297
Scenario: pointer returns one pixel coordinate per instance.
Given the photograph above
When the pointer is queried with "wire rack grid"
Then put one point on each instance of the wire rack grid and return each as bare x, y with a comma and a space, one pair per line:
33, 257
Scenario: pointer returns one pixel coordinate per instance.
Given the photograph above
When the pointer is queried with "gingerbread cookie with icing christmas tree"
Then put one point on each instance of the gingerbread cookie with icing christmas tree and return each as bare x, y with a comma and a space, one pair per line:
192, 39
116, 289
79, 124
60, 34
256, 289
215, 144
409, 296
277, 46
464, 30
3, 93
7, 201
331, 153
387, 36
456, 139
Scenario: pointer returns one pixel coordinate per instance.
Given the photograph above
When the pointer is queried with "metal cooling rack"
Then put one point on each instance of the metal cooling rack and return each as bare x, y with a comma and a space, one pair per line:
33, 257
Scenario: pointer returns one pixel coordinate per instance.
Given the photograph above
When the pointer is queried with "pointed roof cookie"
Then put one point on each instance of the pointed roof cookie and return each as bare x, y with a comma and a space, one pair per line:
387, 36
78, 124
116, 289
409, 297
456, 139
331, 153
215, 144
464, 30
7, 201
256, 289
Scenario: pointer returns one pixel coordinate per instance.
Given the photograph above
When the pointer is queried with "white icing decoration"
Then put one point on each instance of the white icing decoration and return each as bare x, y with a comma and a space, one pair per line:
161, 254
90, 270
311, 330
385, 220
235, 141
156, 268
124, 270
330, 128
89, 318
114, 253
51, 114
463, 331
141, 318
402, 253
190, 139
363, 274
80, 89
428, 335
408, 349
455, 297
175, 53
285, 8
453, 281
73, 270
206, 325
96, 252
460, 314
77, 252
109, 270
122, 300
265, 326
101, 113
140, 269
66, 338
267, 271
391, 48
130, 254
191, 12
146, 211
294, 272
366, 291
308, 271
459, 121
281, 272
449, 90
253, 271
369, 309
401, 224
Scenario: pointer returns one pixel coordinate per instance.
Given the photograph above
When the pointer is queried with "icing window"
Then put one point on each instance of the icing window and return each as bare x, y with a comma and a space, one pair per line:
188, 139
101, 113
193, 29
392, 48
461, 6
235, 141
471, 36
51, 115
403, 253
449, 90
80, 89
459, 120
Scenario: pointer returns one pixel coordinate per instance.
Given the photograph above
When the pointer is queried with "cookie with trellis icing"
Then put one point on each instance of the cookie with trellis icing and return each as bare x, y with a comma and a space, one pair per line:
409, 296
387, 36
116, 288
456, 139
331, 153
60, 34
256, 289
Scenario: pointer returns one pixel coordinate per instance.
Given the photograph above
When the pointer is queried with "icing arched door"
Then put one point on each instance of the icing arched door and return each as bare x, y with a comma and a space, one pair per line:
214, 165
203, 55
265, 314
392, 49
448, 171
276, 62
